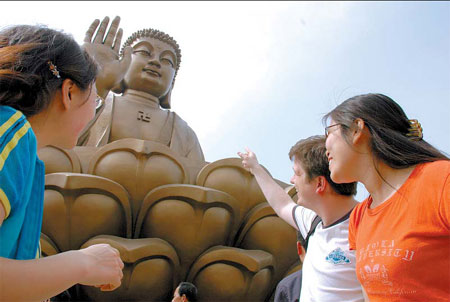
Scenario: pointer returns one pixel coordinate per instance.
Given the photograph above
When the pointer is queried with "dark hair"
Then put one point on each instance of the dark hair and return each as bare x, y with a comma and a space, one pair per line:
299, 236
26, 81
311, 153
388, 126
189, 290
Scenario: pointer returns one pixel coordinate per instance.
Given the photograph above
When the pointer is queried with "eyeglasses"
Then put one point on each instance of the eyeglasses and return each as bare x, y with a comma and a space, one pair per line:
327, 129
99, 101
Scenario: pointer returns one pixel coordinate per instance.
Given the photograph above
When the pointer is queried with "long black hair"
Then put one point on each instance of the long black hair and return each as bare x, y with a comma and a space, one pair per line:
388, 126
27, 82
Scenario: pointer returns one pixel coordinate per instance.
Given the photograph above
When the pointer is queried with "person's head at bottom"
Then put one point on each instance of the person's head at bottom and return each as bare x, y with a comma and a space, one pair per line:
185, 292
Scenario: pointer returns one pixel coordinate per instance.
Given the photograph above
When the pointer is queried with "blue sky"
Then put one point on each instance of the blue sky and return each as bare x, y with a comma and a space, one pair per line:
262, 74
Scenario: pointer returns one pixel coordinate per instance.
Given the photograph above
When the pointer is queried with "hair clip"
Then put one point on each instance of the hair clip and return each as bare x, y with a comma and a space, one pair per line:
53, 69
415, 131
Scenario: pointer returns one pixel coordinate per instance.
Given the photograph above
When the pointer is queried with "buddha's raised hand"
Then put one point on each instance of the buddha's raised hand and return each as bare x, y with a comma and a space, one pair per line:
104, 47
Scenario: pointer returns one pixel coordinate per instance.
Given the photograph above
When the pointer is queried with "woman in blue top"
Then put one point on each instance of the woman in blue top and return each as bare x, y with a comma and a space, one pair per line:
47, 96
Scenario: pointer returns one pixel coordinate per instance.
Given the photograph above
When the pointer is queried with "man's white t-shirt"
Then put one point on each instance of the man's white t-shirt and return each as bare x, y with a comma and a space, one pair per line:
329, 266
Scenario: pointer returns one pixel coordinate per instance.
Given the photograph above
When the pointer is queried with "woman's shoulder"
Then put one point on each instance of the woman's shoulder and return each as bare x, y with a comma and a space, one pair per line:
438, 163
360, 208
6, 112
13, 124
435, 169
430, 179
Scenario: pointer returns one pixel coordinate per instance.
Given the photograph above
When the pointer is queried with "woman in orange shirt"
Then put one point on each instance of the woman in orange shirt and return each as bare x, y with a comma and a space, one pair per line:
401, 231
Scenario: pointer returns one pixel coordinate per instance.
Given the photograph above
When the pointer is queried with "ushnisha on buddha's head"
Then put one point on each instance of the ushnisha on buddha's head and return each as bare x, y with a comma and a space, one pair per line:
155, 62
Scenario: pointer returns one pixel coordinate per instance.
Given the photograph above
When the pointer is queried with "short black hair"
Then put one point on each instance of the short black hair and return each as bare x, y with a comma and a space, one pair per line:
189, 290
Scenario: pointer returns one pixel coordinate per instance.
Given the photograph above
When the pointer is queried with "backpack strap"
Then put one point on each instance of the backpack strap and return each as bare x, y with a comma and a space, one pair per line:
314, 223
312, 229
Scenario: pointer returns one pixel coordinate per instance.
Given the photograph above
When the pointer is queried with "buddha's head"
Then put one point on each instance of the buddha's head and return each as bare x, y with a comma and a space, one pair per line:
154, 64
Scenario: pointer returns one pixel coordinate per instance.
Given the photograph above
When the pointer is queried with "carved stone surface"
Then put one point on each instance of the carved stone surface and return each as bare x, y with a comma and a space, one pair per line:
48, 247
150, 273
59, 160
231, 274
139, 166
191, 218
219, 234
78, 207
264, 230
229, 176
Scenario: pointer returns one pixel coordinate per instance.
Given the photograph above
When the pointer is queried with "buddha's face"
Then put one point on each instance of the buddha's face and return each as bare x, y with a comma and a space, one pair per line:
152, 67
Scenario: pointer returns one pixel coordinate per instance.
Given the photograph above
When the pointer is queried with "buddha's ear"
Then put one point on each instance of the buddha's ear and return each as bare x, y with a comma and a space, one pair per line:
165, 101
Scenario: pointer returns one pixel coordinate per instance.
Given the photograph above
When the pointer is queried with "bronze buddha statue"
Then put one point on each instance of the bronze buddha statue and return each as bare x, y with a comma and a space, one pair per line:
142, 109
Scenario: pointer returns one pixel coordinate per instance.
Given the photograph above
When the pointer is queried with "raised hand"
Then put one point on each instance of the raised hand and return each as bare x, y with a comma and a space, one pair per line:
249, 160
104, 47
103, 266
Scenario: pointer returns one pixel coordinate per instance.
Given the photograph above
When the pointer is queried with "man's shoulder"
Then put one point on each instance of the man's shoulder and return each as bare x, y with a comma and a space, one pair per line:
304, 214
303, 218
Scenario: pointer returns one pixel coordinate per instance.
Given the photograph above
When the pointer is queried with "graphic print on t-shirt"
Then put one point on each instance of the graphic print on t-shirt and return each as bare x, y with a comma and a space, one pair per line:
384, 248
337, 256
375, 274
376, 257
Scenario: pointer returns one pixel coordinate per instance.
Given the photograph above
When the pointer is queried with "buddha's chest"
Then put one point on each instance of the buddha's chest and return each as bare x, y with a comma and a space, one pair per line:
130, 120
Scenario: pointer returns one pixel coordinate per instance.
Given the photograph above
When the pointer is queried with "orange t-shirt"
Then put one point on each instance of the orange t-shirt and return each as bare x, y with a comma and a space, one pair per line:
403, 245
